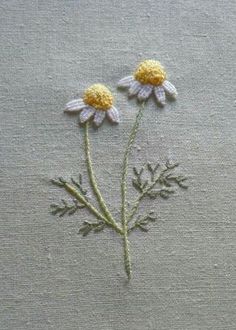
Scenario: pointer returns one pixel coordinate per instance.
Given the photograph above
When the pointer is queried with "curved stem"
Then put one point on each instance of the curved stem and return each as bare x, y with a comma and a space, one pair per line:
93, 181
132, 136
70, 189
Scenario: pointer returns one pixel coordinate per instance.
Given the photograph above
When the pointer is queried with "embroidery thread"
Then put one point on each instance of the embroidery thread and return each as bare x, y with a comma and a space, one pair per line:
97, 102
150, 181
149, 76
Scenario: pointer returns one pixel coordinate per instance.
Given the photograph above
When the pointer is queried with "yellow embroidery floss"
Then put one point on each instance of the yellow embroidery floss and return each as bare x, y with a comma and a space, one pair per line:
150, 72
96, 104
99, 97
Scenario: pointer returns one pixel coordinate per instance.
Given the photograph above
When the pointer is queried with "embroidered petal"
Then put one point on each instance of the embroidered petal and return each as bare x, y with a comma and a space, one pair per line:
145, 92
99, 117
86, 114
134, 88
169, 88
125, 82
160, 95
113, 115
75, 105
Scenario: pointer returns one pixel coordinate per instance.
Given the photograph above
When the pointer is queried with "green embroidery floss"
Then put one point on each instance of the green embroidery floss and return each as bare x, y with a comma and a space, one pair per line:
94, 183
132, 136
151, 181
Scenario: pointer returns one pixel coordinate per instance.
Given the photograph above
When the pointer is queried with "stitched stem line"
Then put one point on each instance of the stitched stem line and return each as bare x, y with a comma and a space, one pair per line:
133, 133
138, 200
93, 181
70, 189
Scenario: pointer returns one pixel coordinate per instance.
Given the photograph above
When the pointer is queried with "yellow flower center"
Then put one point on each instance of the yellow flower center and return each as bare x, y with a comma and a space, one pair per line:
98, 96
150, 72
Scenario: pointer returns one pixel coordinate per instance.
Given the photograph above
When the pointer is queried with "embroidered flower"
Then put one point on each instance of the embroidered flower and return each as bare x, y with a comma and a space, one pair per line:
150, 76
97, 103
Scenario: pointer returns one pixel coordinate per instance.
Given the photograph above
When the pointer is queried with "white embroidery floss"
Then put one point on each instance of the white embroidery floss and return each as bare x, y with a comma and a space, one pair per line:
97, 103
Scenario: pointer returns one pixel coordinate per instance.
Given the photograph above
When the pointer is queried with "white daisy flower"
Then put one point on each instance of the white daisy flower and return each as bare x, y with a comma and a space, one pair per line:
97, 103
150, 76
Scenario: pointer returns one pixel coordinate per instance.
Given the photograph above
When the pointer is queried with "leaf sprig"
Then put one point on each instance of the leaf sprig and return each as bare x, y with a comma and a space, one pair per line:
164, 180
141, 223
60, 182
66, 208
154, 181
88, 227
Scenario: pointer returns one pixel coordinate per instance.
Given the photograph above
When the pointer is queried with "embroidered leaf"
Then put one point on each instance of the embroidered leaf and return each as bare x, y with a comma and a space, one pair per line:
99, 227
137, 182
152, 169
137, 185
142, 228
65, 208
163, 180
88, 227
138, 173
163, 177
177, 179
79, 186
142, 223
161, 183
163, 193
171, 166
60, 182
85, 230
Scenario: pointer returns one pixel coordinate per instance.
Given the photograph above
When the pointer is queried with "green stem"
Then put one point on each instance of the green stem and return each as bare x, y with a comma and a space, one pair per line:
93, 181
133, 133
70, 189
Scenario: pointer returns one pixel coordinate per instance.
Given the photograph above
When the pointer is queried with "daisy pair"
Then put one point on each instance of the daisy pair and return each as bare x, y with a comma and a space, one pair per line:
97, 101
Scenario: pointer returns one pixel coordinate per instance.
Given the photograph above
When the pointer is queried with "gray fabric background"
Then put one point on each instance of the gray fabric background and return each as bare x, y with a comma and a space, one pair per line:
184, 268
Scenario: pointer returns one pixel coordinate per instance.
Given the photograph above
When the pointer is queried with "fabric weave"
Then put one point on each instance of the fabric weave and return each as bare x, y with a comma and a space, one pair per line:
184, 268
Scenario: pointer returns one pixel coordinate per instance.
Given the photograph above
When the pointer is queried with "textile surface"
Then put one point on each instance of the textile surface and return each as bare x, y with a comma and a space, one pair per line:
184, 274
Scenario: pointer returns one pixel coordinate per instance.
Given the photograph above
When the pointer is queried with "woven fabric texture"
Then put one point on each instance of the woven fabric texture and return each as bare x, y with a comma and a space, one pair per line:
184, 274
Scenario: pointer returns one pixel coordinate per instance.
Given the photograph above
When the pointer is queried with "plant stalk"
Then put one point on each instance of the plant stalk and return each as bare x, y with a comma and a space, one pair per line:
93, 181
133, 133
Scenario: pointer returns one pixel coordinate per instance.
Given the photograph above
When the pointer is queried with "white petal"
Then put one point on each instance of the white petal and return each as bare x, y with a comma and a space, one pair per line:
145, 92
75, 105
125, 82
160, 94
86, 114
134, 88
113, 115
169, 88
99, 117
